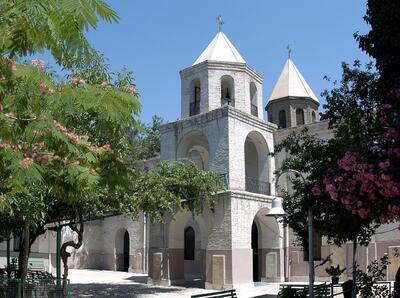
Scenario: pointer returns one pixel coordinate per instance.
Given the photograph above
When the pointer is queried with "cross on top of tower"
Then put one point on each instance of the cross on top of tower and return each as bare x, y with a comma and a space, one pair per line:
220, 22
289, 49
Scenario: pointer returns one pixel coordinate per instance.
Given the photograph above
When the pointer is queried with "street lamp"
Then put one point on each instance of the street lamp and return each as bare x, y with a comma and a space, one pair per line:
277, 211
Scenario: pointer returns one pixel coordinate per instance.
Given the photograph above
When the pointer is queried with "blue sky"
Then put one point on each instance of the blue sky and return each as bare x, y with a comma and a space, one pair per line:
156, 39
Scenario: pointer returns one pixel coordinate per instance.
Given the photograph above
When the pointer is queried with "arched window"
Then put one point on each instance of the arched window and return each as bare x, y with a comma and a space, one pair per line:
196, 157
282, 119
189, 244
313, 118
299, 117
253, 99
227, 91
195, 98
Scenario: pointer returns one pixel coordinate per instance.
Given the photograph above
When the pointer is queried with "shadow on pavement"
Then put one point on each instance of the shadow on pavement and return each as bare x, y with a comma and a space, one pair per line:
139, 279
116, 290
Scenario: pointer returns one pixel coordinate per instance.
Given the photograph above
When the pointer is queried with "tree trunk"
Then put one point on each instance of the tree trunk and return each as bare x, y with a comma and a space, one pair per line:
64, 254
24, 253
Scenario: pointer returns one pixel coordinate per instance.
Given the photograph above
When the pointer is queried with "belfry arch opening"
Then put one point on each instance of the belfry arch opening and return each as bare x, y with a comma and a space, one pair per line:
256, 164
313, 117
282, 119
227, 91
299, 117
253, 99
194, 146
195, 98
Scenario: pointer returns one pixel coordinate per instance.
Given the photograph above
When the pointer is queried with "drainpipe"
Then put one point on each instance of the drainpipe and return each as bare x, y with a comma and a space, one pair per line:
144, 267
58, 253
8, 257
287, 248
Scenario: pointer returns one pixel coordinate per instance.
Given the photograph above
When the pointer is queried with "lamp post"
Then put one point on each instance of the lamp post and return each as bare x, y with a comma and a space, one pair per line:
277, 211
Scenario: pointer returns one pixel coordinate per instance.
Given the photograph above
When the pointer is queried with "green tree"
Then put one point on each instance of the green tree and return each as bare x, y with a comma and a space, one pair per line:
65, 146
147, 139
353, 180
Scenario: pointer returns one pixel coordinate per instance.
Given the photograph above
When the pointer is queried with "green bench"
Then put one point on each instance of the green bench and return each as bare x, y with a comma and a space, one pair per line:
229, 293
36, 264
320, 291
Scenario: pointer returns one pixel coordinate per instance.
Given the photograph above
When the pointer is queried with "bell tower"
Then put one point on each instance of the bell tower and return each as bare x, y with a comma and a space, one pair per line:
292, 102
220, 77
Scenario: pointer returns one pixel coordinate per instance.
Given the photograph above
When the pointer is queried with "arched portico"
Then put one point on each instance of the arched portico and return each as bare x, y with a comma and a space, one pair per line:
256, 164
268, 249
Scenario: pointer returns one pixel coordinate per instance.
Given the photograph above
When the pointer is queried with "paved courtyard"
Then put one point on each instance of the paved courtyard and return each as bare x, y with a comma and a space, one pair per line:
101, 283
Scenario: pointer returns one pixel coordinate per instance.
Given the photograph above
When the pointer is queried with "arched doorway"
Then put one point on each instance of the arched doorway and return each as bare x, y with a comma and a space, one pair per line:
122, 250
254, 247
126, 251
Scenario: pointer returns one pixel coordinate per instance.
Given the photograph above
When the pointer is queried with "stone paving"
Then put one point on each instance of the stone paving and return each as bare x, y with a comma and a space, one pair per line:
101, 283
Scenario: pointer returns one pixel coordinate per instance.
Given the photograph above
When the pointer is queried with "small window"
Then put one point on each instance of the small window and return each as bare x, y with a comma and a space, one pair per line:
299, 117
189, 244
282, 119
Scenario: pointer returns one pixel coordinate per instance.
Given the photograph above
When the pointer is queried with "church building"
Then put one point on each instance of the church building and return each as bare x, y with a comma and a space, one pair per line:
222, 129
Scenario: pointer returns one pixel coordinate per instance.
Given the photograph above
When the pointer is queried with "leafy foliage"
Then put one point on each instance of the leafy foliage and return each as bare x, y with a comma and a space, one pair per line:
367, 281
28, 27
146, 139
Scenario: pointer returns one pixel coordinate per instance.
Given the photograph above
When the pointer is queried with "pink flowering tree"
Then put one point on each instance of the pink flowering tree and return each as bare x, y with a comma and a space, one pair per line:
66, 147
58, 146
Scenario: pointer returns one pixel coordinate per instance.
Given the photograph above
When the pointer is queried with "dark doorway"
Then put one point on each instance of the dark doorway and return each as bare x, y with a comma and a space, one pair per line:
254, 247
189, 244
126, 251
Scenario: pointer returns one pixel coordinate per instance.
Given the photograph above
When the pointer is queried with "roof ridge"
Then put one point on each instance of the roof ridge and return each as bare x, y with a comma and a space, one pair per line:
230, 45
301, 81
291, 83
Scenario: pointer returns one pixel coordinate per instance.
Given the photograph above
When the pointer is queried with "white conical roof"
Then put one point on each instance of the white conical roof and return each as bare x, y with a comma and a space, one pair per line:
220, 49
291, 83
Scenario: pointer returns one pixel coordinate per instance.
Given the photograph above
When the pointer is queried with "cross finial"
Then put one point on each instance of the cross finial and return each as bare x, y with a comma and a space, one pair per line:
220, 22
289, 50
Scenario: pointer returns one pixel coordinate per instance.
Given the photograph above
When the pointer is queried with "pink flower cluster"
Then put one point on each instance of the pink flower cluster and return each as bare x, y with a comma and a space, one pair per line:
45, 90
10, 63
130, 89
27, 162
106, 85
39, 63
360, 185
75, 81
83, 140
9, 145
